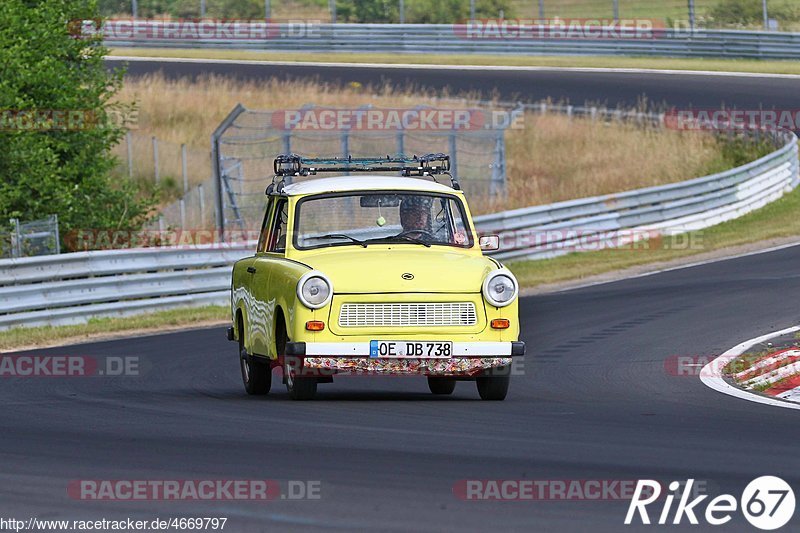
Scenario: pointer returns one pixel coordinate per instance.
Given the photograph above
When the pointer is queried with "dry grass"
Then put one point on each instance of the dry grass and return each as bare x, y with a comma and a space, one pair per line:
552, 158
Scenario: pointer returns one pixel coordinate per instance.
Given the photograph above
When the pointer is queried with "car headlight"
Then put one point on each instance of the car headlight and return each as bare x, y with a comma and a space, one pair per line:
500, 288
314, 290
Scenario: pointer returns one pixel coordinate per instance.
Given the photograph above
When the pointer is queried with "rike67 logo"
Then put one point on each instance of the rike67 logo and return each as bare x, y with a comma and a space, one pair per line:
767, 503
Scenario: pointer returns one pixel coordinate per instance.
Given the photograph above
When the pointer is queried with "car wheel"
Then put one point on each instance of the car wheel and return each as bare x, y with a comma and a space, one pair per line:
494, 386
256, 374
300, 388
441, 385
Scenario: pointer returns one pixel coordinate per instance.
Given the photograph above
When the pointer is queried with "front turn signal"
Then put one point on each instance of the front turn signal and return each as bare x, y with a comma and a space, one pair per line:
315, 325
500, 323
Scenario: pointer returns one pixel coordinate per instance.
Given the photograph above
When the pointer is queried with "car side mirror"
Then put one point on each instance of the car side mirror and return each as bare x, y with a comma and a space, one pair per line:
489, 242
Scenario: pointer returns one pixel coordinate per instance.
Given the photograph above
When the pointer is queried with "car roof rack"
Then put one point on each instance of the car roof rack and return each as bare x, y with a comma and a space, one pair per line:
428, 165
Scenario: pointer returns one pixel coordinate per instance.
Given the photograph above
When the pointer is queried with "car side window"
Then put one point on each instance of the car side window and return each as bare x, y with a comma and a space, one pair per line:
277, 240
263, 237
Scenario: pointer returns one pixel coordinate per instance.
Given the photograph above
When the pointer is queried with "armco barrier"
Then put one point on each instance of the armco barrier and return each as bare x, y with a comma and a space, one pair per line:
457, 38
70, 288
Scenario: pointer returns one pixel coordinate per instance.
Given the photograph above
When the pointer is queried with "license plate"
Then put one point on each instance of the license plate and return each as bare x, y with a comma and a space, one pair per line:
410, 349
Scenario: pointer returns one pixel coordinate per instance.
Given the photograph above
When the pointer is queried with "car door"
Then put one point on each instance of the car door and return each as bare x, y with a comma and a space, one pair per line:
269, 257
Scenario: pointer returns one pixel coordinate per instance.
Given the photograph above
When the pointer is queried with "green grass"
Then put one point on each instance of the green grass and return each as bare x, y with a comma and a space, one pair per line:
715, 65
45, 335
776, 220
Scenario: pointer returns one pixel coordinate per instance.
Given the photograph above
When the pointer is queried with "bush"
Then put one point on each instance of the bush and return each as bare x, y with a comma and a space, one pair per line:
750, 12
420, 11
60, 170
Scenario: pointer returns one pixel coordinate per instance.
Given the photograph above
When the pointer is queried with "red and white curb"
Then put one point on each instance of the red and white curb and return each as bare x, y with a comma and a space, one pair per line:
766, 371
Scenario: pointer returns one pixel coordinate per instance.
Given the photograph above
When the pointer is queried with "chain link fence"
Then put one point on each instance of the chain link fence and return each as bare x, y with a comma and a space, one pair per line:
247, 142
26, 239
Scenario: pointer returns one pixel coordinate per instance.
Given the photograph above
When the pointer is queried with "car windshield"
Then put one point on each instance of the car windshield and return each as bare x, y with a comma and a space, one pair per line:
364, 218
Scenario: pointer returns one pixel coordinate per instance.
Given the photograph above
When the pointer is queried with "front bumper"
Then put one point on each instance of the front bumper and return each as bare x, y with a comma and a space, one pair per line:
362, 349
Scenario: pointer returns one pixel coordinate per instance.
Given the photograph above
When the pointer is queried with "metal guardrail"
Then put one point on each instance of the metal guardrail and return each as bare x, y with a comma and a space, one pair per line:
460, 39
547, 231
70, 288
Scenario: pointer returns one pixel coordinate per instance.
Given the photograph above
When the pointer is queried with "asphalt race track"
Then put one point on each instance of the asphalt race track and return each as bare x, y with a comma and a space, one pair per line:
609, 88
595, 402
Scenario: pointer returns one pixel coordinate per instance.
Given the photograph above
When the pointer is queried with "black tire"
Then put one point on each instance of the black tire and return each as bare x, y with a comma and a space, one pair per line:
441, 385
256, 375
494, 385
299, 388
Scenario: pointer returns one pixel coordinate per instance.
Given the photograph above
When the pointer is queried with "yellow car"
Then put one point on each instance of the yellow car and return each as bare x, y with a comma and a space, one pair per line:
372, 274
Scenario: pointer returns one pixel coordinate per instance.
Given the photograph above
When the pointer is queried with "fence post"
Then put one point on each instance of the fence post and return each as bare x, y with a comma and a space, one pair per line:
345, 145
202, 197
155, 158
58, 237
216, 167
267, 10
183, 169
16, 245
332, 9
766, 14
202, 8
287, 143
128, 140
451, 141
498, 184
183, 214
401, 141
134, 8
691, 15
541, 10
616, 10
472, 9
402, 9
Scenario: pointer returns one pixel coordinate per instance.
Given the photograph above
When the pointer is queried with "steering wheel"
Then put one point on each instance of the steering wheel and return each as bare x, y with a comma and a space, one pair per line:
420, 232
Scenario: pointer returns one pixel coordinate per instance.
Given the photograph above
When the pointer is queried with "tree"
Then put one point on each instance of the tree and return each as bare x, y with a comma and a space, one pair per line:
56, 131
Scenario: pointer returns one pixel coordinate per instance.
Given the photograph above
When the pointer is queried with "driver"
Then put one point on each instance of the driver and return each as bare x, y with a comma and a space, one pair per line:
415, 214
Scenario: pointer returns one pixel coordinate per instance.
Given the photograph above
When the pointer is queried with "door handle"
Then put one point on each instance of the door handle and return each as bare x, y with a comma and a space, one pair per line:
251, 270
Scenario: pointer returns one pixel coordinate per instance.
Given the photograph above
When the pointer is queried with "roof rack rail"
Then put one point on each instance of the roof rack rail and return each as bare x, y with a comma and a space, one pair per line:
431, 165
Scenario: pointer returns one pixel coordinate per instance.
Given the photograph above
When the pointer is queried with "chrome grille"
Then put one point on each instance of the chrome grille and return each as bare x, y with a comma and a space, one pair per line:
407, 314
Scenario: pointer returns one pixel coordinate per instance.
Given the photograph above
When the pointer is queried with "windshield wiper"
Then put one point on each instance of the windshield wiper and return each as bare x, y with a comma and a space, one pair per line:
401, 238
339, 236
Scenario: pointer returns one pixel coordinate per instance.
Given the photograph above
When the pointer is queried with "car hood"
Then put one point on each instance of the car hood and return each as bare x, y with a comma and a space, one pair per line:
386, 269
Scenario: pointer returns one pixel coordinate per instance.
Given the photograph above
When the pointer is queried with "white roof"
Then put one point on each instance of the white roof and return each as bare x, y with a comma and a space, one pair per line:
364, 183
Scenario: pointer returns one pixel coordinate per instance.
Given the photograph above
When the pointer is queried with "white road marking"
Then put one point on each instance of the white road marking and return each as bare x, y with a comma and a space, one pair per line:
710, 378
